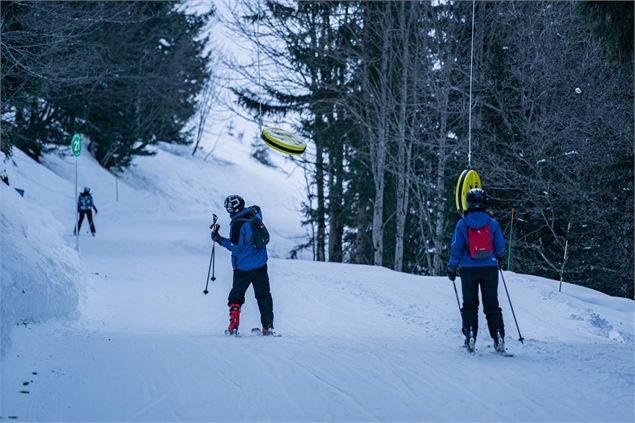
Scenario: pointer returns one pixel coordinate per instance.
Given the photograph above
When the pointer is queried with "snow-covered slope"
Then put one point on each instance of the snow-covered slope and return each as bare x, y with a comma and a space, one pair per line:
39, 275
359, 343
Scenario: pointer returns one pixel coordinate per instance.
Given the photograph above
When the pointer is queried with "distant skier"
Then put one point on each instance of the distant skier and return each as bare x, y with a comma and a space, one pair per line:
249, 260
477, 244
85, 206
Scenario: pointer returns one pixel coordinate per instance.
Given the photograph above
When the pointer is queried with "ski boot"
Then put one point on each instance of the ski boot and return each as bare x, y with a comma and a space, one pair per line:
499, 342
268, 331
265, 331
470, 342
234, 319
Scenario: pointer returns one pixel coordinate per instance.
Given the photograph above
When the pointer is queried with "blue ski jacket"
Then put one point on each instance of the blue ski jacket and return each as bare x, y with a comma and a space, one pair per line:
245, 256
85, 202
460, 249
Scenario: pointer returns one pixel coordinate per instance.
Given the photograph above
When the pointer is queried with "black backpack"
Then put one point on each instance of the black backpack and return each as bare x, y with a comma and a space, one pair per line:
258, 229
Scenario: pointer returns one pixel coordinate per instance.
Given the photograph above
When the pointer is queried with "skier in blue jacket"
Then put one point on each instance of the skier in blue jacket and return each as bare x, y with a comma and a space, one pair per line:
85, 207
477, 246
249, 264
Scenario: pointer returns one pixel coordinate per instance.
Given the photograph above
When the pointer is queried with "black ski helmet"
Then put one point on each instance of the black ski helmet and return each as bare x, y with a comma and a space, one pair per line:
234, 203
476, 199
86, 190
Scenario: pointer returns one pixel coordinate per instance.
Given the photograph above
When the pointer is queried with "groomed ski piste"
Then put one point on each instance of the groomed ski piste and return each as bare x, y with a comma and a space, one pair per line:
122, 330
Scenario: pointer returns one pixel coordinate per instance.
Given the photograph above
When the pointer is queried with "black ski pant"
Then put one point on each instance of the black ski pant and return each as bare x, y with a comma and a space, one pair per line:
487, 279
260, 279
89, 215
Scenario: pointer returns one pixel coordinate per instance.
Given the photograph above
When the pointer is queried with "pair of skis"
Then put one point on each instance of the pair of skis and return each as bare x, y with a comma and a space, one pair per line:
472, 351
254, 331
501, 353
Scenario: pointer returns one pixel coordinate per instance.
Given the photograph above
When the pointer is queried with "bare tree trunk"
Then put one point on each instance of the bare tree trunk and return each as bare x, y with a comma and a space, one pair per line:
378, 148
362, 252
403, 162
336, 228
403, 199
424, 221
378, 206
309, 205
204, 107
336, 152
317, 44
440, 185
319, 181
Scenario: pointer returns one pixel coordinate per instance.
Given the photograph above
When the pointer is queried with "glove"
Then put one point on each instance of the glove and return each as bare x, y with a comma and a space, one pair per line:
96, 211
501, 261
452, 273
216, 236
215, 227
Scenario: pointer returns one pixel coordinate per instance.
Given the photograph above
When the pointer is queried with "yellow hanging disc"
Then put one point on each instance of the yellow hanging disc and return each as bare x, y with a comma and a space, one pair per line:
469, 179
283, 141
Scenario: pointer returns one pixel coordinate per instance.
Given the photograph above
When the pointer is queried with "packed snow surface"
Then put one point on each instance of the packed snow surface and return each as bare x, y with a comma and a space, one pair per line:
360, 343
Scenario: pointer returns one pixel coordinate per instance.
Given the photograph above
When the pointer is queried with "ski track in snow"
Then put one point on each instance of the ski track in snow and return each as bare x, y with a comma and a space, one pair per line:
360, 343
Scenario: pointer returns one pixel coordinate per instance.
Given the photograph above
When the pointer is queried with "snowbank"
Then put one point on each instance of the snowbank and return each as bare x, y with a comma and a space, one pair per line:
39, 274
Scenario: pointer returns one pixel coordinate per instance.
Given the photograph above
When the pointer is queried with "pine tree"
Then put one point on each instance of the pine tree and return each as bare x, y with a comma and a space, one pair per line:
126, 75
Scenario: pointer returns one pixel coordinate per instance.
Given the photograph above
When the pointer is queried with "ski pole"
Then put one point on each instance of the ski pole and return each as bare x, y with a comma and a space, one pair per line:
520, 337
457, 296
211, 258
213, 261
215, 218
509, 251
205, 291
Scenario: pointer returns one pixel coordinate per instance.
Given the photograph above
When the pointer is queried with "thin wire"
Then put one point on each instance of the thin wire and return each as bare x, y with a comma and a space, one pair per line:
469, 125
258, 66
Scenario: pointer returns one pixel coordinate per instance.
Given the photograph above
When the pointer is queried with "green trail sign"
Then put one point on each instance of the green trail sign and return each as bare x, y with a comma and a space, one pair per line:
76, 145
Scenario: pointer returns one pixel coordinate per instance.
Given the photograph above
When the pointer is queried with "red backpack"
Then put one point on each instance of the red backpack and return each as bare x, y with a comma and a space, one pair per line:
480, 242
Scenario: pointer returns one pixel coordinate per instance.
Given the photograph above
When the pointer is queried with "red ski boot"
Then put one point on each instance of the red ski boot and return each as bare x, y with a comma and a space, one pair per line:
234, 319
